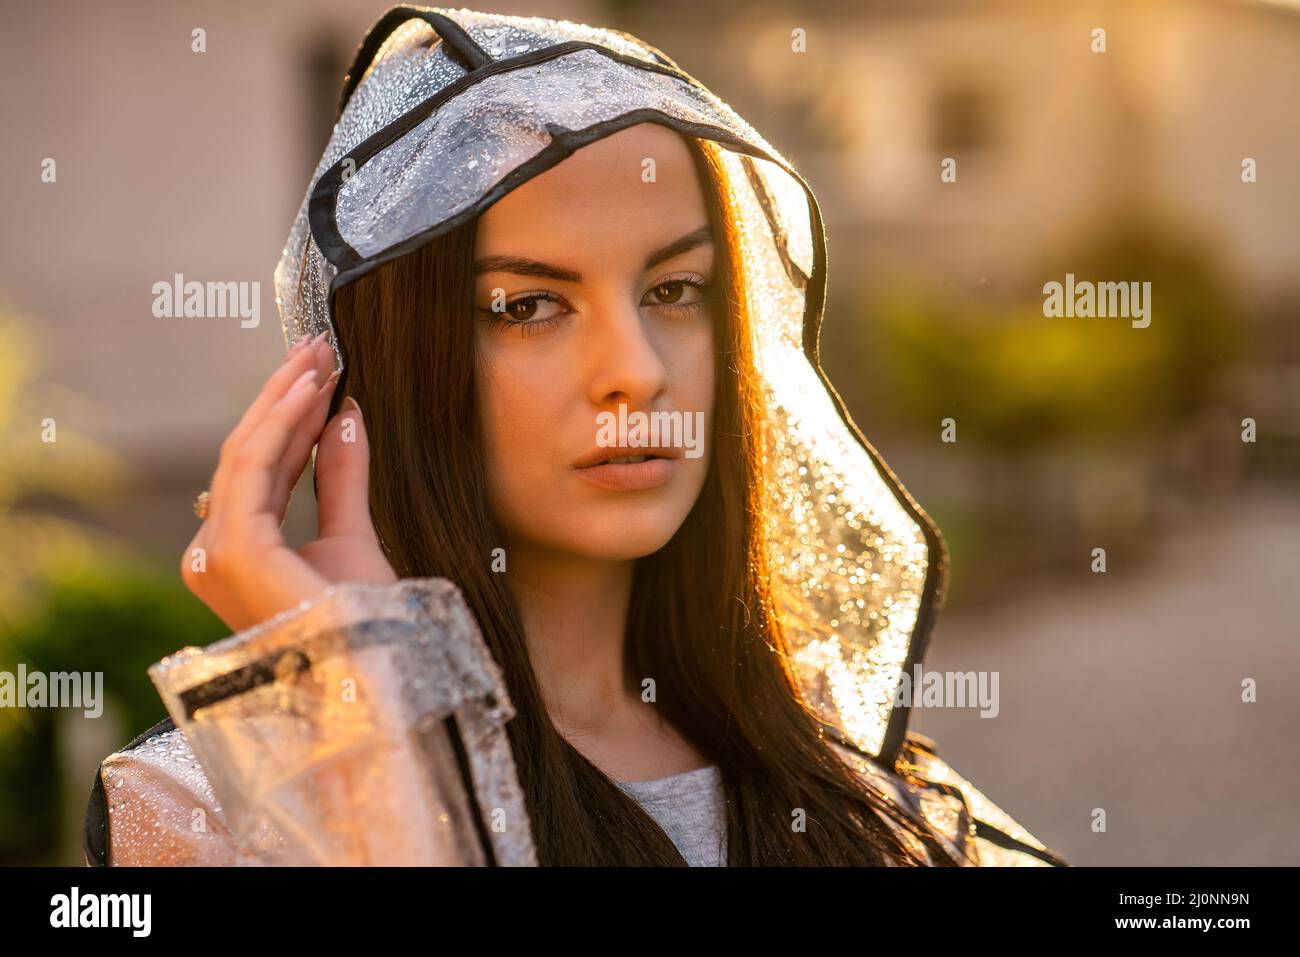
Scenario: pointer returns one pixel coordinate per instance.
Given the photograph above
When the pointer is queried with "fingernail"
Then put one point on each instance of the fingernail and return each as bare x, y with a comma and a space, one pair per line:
351, 404
333, 377
317, 341
296, 347
303, 379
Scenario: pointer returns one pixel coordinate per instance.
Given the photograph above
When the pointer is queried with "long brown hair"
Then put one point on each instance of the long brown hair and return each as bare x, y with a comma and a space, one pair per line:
701, 620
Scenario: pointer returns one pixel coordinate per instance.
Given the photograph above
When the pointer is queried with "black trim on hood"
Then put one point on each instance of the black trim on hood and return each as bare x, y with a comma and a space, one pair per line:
460, 46
324, 197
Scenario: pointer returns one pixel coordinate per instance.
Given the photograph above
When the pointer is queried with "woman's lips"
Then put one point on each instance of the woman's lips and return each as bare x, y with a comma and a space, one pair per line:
632, 476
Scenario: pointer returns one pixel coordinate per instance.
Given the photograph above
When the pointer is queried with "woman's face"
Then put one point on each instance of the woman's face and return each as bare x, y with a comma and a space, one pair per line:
588, 297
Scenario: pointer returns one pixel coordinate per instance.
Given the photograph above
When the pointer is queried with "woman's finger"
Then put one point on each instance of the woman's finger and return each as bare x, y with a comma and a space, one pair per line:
309, 355
303, 355
305, 437
343, 476
252, 469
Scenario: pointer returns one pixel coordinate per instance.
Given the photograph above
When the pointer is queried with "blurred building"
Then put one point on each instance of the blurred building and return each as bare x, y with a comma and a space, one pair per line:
1046, 133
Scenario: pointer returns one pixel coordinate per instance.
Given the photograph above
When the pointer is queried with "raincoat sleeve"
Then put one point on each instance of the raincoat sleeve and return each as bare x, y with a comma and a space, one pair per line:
415, 654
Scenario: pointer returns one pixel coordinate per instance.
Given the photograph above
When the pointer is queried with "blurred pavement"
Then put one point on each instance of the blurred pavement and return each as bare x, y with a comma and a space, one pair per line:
1123, 691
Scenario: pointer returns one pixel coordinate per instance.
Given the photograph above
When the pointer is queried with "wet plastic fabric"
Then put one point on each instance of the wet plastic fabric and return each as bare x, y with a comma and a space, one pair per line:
327, 732
444, 111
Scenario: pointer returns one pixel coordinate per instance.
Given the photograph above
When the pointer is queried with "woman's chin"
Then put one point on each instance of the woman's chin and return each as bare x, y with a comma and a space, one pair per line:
623, 538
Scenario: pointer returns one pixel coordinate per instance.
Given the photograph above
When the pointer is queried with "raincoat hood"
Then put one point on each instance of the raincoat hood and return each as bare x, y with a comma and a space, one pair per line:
444, 111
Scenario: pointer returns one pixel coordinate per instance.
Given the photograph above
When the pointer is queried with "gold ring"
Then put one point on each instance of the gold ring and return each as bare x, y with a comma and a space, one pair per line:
201, 503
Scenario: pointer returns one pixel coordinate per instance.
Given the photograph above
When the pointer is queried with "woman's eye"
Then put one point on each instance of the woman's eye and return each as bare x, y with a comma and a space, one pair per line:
529, 314
531, 309
678, 293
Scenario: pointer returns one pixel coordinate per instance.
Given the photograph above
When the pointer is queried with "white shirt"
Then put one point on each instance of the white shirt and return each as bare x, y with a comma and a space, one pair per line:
689, 807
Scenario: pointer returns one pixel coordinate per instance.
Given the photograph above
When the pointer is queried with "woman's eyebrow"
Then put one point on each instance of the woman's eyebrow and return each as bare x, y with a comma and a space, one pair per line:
521, 266
697, 237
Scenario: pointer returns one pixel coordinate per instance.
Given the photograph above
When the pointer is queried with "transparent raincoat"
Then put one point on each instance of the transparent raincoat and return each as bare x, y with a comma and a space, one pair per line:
443, 112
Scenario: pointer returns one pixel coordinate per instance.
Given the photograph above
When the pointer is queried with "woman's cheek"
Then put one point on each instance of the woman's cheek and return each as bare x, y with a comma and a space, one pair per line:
493, 402
521, 430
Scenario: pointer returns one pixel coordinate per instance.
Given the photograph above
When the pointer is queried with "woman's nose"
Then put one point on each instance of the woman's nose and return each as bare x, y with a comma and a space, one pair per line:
627, 367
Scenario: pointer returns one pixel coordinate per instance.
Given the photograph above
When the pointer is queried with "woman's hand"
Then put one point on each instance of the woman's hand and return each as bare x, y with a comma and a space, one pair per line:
245, 572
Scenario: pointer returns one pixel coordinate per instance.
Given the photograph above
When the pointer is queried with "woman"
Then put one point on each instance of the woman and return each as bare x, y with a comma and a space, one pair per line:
525, 235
